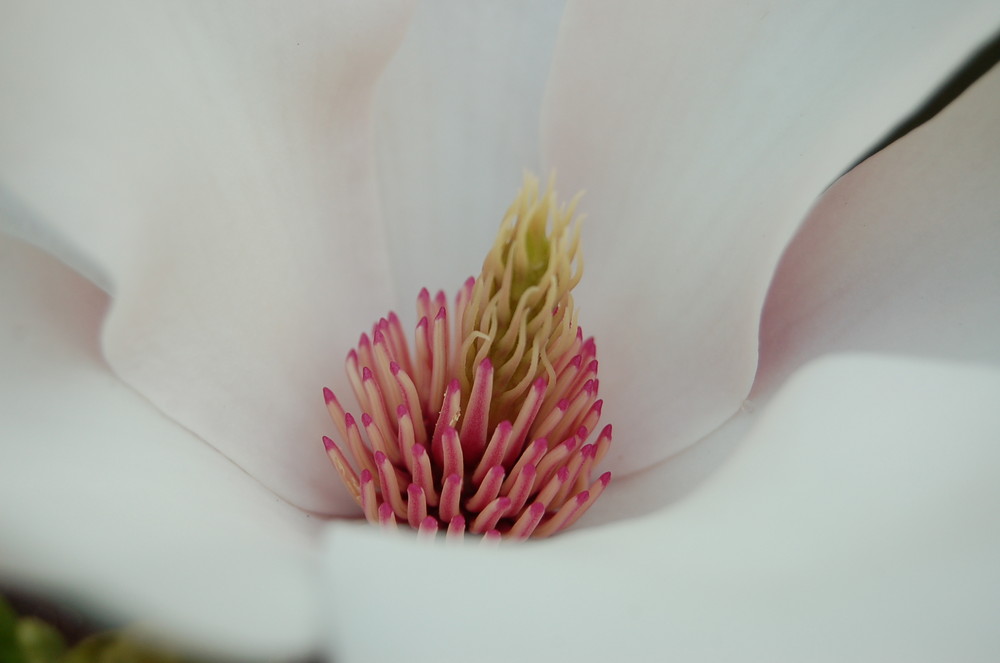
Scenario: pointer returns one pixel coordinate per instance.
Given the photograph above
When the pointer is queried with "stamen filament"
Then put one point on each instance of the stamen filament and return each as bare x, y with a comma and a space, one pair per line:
483, 424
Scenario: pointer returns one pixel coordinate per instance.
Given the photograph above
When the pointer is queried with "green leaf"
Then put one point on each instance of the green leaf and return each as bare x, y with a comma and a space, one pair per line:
9, 650
116, 648
38, 641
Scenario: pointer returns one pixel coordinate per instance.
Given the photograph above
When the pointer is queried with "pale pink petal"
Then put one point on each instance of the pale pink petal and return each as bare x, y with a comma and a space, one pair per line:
898, 257
110, 504
857, 522
211, 164
457, 121
703, 132
902, 255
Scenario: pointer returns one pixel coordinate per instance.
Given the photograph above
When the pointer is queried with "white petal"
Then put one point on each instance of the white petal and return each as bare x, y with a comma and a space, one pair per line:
457, 122
856, 523
108, 502
703, 131
216, 163
900, 255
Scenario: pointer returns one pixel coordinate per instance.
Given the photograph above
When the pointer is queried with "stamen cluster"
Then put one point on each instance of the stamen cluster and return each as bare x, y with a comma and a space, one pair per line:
483, 428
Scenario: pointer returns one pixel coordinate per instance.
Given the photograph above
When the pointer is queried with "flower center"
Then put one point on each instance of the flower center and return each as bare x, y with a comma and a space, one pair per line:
484, 429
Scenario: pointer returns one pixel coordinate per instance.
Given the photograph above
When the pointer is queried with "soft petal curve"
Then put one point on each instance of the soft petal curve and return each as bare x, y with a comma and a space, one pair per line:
110, 503
457, 120
857, 522
900, 255
703, 132
212, 165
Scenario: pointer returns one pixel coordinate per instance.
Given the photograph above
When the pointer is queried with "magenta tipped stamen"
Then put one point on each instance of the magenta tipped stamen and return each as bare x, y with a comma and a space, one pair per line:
390, 485
337, 412
489, 488
428, 528
369, 502
520, 491
477, 412
451, 460
451, 497
562, 517
456, 528
422, 473
449, 412
378, 441
528, 521
343, 468
483, 424
490, 515
592, 493
416, 505
386, 516
525, 418
494, 452
547, 494
534, 453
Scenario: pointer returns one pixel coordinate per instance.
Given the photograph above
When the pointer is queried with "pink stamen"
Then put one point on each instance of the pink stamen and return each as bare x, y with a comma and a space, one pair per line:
456, 528
383, 360
386, 517
378, 441
343, 468
555, 458
534, 453
358, 449
439, 359
369, 503
424, 303
405, 437
603, 444
353, 370
592, 493
521, 489
411, 400
477, 412
365, 352
377, 409
482, 425
451, 497
451, 454
416, 505
525, 418
489, 488
449, 411
490, 515
527, 523
397, 339
552, 486
390, 486
428, 528
422, 473
494, 452
593, 416
549, 423
572, 471
562, 517
337, 412
422, 366
571, 419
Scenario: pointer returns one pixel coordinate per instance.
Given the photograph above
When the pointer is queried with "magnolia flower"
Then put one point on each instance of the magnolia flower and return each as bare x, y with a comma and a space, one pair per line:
224, 189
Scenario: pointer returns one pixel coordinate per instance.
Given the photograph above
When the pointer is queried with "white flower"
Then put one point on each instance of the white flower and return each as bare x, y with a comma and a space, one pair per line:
227, 176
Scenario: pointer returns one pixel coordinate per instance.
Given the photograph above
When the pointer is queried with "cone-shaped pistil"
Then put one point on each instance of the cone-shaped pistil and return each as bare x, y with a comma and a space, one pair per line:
482, 429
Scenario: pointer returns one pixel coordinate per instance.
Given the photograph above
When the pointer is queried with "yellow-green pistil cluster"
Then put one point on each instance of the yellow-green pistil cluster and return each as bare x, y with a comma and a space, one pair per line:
521, 314
483, 428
